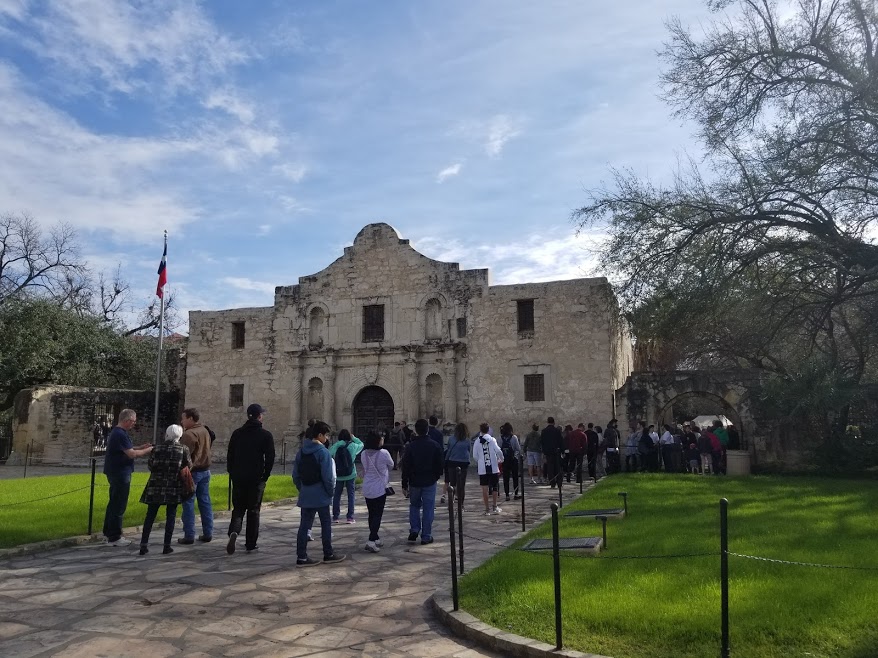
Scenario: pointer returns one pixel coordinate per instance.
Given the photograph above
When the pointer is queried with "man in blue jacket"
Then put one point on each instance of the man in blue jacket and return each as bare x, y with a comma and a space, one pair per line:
314, 477
422, 466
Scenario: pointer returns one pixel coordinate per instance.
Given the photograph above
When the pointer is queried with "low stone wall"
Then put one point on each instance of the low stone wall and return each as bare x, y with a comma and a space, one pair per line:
57, 421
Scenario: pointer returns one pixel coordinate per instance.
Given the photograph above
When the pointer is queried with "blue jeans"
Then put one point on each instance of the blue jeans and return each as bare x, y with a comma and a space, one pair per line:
422, 497
340, 485
305, 525
202, 493
120, 486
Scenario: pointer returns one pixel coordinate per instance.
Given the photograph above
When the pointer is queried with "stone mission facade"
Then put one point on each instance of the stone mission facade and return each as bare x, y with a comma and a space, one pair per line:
385, 333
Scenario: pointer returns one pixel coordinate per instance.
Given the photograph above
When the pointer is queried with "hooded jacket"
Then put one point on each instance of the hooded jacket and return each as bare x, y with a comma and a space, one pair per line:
250, 457
490, 462
355, 447
320, 493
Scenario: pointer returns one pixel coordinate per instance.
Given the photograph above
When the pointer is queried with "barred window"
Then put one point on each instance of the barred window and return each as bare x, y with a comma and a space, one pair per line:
461, 327
236, 395
534, 388
525, 315
237, 335
373, 323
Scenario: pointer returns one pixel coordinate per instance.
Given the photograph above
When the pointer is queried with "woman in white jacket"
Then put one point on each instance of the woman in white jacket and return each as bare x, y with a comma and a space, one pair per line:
488, 457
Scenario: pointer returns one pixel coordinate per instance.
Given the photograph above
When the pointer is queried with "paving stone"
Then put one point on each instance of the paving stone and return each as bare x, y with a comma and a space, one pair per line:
10, 629
31, 644
110, 647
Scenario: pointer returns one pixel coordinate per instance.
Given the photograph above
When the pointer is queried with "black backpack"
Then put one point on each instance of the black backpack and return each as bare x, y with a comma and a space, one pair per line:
309, 469
344, 465
506, 449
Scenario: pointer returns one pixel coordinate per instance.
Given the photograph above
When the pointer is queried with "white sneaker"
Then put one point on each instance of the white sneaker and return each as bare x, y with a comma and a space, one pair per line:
532, 481
310, 536
121, 542
487, 513
497, 510
379, 543
372, 547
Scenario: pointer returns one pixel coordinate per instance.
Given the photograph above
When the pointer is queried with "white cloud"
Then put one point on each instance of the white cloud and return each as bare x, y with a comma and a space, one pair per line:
264, 229
448, 172
501, 129
227, 100
291, 171
291, 204
243, 283
14, 8
166, 44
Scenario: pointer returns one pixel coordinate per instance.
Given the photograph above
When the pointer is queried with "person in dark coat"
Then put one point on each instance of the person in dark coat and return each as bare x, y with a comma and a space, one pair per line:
249, 460
164, 486
552, 443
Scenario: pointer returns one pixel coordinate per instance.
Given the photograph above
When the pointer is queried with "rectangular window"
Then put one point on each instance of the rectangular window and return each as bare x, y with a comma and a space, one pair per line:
525, 315
236, 395
373, 323
534, 388
461, 327
237, 335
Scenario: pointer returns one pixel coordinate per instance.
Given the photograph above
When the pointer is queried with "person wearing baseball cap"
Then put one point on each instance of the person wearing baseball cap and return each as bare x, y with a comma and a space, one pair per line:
249, 461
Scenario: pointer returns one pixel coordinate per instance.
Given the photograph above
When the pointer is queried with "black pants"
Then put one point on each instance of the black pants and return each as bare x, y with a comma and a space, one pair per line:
247, 499
630, 463
151, 512
451, 478
592, 467
510, 470
553, 468
376, 511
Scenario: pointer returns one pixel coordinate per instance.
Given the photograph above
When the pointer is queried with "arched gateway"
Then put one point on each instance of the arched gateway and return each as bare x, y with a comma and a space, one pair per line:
372, 407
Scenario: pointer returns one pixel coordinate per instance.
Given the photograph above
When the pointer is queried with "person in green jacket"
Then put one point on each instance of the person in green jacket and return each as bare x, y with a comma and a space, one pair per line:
345, 472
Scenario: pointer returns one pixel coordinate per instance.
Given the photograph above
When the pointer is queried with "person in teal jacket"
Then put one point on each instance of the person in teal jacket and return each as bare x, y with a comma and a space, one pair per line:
345, 480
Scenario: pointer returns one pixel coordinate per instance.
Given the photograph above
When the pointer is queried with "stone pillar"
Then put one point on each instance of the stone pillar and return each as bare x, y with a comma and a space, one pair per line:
450, 386
412, 390
329, 391
296, 398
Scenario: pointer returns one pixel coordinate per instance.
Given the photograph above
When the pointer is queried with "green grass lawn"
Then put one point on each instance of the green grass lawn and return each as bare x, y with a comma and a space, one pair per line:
67, 515
671, 607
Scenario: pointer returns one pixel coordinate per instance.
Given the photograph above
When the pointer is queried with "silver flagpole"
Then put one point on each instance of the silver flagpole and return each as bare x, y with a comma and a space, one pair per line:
158, 367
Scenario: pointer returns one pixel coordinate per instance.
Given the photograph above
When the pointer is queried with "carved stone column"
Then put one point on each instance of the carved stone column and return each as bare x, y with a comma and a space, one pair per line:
329, 392
412, 390
450, 385
296, 399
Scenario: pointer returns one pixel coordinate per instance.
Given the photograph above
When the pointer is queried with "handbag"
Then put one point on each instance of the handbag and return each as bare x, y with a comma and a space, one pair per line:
389, 491
187, 484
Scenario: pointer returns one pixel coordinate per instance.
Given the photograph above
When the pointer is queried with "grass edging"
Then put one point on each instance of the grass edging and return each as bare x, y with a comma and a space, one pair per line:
96, 538
465, 625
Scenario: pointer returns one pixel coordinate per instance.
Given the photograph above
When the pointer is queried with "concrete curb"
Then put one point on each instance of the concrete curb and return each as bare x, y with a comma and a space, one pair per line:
84, 540
464, 625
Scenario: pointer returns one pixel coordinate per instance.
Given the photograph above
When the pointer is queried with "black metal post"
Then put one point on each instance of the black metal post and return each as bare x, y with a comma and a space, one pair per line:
603, 520
459, 481
521, 479
283, 457
724, 574
230, 491
27, 457
624, 495
556, 557
451, 492
91, 495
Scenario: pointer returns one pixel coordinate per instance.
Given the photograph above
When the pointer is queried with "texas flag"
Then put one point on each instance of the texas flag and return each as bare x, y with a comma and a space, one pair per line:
163, 273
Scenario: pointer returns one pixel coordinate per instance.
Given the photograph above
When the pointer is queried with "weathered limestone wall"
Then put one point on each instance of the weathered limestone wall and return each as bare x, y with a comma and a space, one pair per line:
59, 420
306, 356
572, 346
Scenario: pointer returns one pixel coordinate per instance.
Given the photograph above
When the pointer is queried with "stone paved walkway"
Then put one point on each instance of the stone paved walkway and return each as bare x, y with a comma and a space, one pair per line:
98, 600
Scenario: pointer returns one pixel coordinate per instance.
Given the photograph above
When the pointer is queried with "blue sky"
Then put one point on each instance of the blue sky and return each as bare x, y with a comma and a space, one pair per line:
264, 135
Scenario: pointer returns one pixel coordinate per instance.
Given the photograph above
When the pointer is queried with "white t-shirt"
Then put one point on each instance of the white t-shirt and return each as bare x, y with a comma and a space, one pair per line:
376, 472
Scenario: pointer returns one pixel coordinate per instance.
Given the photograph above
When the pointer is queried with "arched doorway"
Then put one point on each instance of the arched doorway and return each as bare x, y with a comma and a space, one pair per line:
688, 406
372, 407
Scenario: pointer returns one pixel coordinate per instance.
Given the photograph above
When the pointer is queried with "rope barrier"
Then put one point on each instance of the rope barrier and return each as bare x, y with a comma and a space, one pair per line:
802, 564
36, 500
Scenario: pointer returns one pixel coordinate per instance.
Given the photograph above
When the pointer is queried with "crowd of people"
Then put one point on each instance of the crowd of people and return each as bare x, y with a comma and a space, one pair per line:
323, 473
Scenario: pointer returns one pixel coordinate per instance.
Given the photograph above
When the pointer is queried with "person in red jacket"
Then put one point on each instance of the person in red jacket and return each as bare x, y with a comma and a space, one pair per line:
577, 443
716, 448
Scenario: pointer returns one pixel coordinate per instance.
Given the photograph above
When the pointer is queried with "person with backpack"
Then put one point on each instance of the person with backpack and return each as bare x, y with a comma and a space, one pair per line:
610, 444
511, 449
377, 464
395, 442
533, 451
344, 452
314, 477
457, 456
